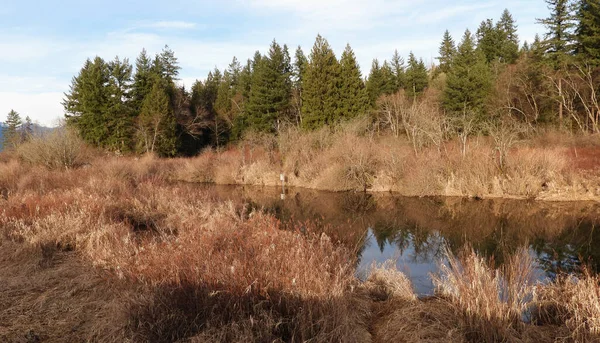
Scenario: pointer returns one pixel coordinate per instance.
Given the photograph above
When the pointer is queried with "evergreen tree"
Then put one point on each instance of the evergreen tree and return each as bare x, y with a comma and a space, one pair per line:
417, 78
587, 34
245, 80
11, 132
382, 80
354, 100
509, 47
224, 96
156, 123
389, 78
558, 42
167, 65
271, 89
234, 69
398, 69
469, 81
26, 129
300, 64
320, 96
142, 80
119, 114
87, 101
559, 36
489, 40
447, 52
298, 71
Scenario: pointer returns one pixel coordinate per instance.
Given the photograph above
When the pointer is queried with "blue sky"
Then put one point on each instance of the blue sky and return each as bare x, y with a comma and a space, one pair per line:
44, 43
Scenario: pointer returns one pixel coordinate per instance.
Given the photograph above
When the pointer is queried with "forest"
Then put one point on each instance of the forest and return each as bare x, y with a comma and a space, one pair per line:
481, 81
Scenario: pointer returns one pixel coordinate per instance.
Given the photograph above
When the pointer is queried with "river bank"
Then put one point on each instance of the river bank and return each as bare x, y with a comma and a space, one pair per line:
173, 264
550, 167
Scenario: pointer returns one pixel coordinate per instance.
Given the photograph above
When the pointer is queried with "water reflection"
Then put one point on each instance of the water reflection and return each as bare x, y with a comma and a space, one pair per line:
414, 231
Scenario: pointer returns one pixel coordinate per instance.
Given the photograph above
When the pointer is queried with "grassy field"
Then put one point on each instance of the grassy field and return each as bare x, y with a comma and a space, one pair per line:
121, 250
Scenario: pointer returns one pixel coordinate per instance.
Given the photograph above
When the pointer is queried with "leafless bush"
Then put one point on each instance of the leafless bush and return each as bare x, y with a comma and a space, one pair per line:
59, 149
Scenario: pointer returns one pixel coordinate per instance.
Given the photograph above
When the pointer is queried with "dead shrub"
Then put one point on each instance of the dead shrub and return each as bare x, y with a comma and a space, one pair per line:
59, 149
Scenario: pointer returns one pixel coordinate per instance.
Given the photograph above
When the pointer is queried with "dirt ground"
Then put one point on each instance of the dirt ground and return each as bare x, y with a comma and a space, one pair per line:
55, 297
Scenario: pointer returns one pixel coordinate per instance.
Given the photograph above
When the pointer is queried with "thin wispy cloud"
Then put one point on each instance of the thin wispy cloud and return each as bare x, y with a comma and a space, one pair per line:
177, 25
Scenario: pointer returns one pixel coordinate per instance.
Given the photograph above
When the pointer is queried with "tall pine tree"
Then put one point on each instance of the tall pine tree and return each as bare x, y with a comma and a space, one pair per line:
558, 41
320, 96
11, 133
353, 95
417, 78
397, 65
509, 40
587, 33
469, 81
156, 123
447, 52
87, 102
271, 89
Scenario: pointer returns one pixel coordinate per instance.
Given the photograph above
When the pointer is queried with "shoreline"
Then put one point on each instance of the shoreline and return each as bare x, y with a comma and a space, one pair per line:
543, 198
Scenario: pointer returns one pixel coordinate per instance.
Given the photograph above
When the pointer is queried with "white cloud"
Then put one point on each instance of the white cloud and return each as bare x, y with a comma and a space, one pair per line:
179, 25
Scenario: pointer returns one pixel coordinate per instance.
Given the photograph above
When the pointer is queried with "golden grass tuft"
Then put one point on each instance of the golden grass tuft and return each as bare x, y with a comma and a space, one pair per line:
491, 301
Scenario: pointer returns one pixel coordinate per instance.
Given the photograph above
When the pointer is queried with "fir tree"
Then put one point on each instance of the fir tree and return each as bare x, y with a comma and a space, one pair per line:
224, 96
469, 81
119, 114
558, 42
397, 65
234, 69
156, 123
167, 64
300, 64
271, 89
382, 80
298, 72
142, 80
320, 96
559, 35
26, 129
587, 34
11, 133
509, 46
489, 40
417, 78
353, 96
447, 52
87, 101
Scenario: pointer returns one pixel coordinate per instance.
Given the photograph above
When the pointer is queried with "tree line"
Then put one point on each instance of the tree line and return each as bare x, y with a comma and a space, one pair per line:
489, 75
15, 130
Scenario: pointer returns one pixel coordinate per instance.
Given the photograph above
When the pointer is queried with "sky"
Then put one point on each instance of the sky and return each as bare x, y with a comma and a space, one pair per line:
43, 44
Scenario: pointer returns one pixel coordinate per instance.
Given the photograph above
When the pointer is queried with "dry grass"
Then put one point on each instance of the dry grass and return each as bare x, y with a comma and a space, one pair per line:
574, 303
492, 302
121, 251
202, 269
354, 156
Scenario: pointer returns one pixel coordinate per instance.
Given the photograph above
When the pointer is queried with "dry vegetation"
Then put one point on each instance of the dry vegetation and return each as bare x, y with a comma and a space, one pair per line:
120, 251
508, 162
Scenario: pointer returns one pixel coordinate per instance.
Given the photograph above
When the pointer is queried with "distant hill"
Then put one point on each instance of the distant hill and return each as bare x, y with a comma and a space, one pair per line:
36, 128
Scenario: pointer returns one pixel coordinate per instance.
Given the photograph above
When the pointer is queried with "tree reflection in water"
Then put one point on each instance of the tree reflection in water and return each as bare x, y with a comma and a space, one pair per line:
414, 231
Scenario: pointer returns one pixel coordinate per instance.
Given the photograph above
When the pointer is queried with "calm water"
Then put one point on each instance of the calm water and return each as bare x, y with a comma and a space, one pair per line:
414, 231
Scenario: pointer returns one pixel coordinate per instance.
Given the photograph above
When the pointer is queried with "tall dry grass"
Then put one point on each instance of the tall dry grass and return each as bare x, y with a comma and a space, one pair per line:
356, 156
205, 271
492, 302
573, 302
